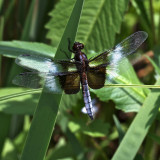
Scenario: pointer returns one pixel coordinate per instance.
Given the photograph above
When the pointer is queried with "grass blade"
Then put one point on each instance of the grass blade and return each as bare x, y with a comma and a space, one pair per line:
139, 127
28, 21
46, 112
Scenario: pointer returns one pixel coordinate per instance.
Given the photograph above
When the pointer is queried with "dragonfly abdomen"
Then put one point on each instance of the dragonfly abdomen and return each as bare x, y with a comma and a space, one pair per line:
87, 98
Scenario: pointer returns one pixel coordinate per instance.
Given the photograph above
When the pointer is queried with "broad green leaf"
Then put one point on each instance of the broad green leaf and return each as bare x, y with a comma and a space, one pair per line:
100, 21
95, 129
9, 151
14, 48
23, 101
60, 152
139, 127
70, 100
19, 101
64, 149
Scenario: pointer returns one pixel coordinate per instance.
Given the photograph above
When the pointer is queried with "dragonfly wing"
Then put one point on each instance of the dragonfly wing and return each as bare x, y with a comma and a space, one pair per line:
30, 80
113, 58
36, 80
43, 64
70, 82
67, 81
96, 77
116, 54
126, 47
116, 57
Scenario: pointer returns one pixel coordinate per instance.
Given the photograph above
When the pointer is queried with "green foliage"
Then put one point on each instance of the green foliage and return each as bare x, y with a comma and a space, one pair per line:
100, 20
24, 101
34, 147
15, 48
119, 128
75, 136
95, 129
139, 127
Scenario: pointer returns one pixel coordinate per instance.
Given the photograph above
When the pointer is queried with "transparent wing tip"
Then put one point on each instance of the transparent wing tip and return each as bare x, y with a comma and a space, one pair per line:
142, 34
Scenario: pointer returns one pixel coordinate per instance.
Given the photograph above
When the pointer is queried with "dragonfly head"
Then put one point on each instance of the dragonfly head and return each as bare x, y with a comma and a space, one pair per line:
77, 46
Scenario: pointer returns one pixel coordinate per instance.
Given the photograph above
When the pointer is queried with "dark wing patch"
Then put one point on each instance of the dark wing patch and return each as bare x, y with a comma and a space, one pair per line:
96, 77
70, 82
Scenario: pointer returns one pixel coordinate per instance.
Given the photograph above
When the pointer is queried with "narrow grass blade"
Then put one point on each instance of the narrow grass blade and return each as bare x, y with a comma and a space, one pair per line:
156, 67
46, 113
119, 128
9, 10
131, 86
27, 26
34, 91
139, 127
1, 37
18, 94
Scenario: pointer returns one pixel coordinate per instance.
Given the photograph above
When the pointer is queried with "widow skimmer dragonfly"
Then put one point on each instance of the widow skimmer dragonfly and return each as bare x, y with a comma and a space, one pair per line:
68, 74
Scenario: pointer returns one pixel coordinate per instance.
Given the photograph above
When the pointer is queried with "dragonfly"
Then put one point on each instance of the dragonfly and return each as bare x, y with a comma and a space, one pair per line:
78, 73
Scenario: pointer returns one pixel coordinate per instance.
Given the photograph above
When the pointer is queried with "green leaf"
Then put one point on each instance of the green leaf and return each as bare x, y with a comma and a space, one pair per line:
5, 124
70, 100
23, 101
19, 140
61, 152
156, 67
9, 151
142, 12
119, 128
28, 27
1, 3
65, 149
139, 127
75, 144
99, 23
19, 101
95, 129
14, 48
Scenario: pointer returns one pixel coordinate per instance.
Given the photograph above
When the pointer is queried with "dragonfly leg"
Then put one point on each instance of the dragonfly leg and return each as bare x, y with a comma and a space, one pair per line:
65, 53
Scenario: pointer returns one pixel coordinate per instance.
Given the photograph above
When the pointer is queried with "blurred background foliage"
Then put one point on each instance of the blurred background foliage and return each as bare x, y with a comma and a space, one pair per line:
36, 27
